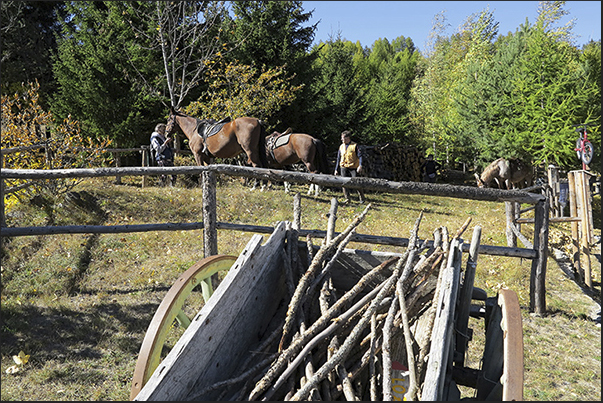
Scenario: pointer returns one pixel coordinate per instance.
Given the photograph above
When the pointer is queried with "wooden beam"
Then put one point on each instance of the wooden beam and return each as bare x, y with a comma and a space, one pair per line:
430, 189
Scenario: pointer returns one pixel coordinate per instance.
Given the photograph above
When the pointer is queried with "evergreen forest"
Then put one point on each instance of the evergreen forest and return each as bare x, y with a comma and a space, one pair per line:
469, 97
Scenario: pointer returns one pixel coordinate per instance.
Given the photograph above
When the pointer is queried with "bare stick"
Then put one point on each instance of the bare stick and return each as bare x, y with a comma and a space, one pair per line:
410, 354
372, 371
310, 248
346, 383
331, 262
462, 229
446, 247
332, 219
320, 337
385, 352
297, 211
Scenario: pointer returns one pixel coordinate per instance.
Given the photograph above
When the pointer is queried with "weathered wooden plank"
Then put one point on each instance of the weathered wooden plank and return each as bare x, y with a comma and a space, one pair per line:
552, 219
442, 334
538, 269
98, 229
465, 297
575, 224
226, 327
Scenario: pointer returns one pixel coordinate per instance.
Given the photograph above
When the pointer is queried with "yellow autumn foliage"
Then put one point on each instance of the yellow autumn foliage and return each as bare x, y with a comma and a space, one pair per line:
237, 90
31, 139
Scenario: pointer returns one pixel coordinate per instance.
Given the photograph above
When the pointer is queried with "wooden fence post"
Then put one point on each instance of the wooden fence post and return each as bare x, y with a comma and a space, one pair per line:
47, 155
117, 157
541, 245
553, 177
2, 219
575, 229
145, 163
511, 216
210, 232
586, 223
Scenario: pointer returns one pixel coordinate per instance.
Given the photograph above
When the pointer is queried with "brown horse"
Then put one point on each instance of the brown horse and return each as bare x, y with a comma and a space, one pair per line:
244, 134
285, 149
506, 173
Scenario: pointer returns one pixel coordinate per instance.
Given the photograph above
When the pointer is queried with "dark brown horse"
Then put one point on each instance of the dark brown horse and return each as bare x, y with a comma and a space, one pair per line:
506, 173
244, 134
285, 149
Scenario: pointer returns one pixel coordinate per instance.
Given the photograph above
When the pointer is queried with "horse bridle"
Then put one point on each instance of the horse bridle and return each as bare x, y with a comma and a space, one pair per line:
170, 125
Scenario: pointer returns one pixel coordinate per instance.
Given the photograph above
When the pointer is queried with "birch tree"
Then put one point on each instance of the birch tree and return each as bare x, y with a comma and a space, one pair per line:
185, 34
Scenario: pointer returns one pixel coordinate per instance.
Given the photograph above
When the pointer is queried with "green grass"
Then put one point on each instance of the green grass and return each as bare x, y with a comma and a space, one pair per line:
80, 304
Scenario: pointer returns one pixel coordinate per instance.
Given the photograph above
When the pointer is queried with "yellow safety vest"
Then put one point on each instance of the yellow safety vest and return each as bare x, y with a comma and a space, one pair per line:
349, 158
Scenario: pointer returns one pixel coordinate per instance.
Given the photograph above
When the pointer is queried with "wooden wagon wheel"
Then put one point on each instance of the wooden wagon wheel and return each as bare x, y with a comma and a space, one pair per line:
501, 377
169, 310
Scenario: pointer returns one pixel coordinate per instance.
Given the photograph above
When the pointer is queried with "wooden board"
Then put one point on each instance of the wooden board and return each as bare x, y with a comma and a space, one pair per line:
233, 320
442, 337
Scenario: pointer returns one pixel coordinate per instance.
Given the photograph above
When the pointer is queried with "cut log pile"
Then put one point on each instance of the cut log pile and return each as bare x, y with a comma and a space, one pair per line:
393, 161
368, 341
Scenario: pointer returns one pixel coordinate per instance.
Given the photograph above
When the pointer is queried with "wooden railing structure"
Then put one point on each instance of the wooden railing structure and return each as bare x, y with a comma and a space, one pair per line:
575, 191
538, 253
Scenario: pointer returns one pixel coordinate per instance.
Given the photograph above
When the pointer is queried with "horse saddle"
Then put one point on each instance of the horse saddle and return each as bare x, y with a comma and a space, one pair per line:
278, 139
209, 130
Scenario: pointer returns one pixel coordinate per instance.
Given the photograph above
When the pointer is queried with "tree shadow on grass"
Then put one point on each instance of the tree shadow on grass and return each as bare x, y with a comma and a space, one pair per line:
69, 333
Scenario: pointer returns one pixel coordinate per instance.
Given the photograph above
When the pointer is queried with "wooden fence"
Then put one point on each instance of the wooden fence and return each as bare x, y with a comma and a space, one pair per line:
538, 253
145, 150
575, 190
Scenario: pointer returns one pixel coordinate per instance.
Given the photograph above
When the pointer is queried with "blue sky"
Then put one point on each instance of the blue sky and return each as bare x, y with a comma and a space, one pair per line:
367, 21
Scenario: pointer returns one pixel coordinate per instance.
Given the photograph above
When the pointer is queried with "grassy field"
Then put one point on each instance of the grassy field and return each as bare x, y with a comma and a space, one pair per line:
79, 305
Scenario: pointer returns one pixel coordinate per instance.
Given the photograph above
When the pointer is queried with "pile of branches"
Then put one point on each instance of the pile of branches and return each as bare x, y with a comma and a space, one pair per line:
338, 344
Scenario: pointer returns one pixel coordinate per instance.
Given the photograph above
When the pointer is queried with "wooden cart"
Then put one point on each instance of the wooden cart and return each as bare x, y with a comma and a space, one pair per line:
250, 303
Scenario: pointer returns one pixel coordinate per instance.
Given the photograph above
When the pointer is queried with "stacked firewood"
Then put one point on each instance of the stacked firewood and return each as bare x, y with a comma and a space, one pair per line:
393, 161
334, 344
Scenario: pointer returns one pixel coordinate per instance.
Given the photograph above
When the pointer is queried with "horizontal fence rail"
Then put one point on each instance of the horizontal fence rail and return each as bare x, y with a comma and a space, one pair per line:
363, 238
381, 185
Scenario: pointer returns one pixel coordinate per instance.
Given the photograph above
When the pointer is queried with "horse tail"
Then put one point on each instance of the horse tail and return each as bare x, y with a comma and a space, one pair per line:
323, 162
262, 145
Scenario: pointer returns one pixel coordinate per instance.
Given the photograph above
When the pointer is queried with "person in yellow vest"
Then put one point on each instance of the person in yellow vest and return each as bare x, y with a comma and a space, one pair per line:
349, 163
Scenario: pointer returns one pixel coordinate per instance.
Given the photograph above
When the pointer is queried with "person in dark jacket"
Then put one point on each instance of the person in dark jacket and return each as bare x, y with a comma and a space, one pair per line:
429, 169
162, 151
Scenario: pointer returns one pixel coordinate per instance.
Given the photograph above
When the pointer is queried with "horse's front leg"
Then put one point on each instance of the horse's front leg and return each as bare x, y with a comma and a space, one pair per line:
263, 185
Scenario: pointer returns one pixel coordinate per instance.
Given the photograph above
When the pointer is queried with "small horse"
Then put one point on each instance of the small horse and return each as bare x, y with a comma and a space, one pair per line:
506, 173
244, 134
284, 149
